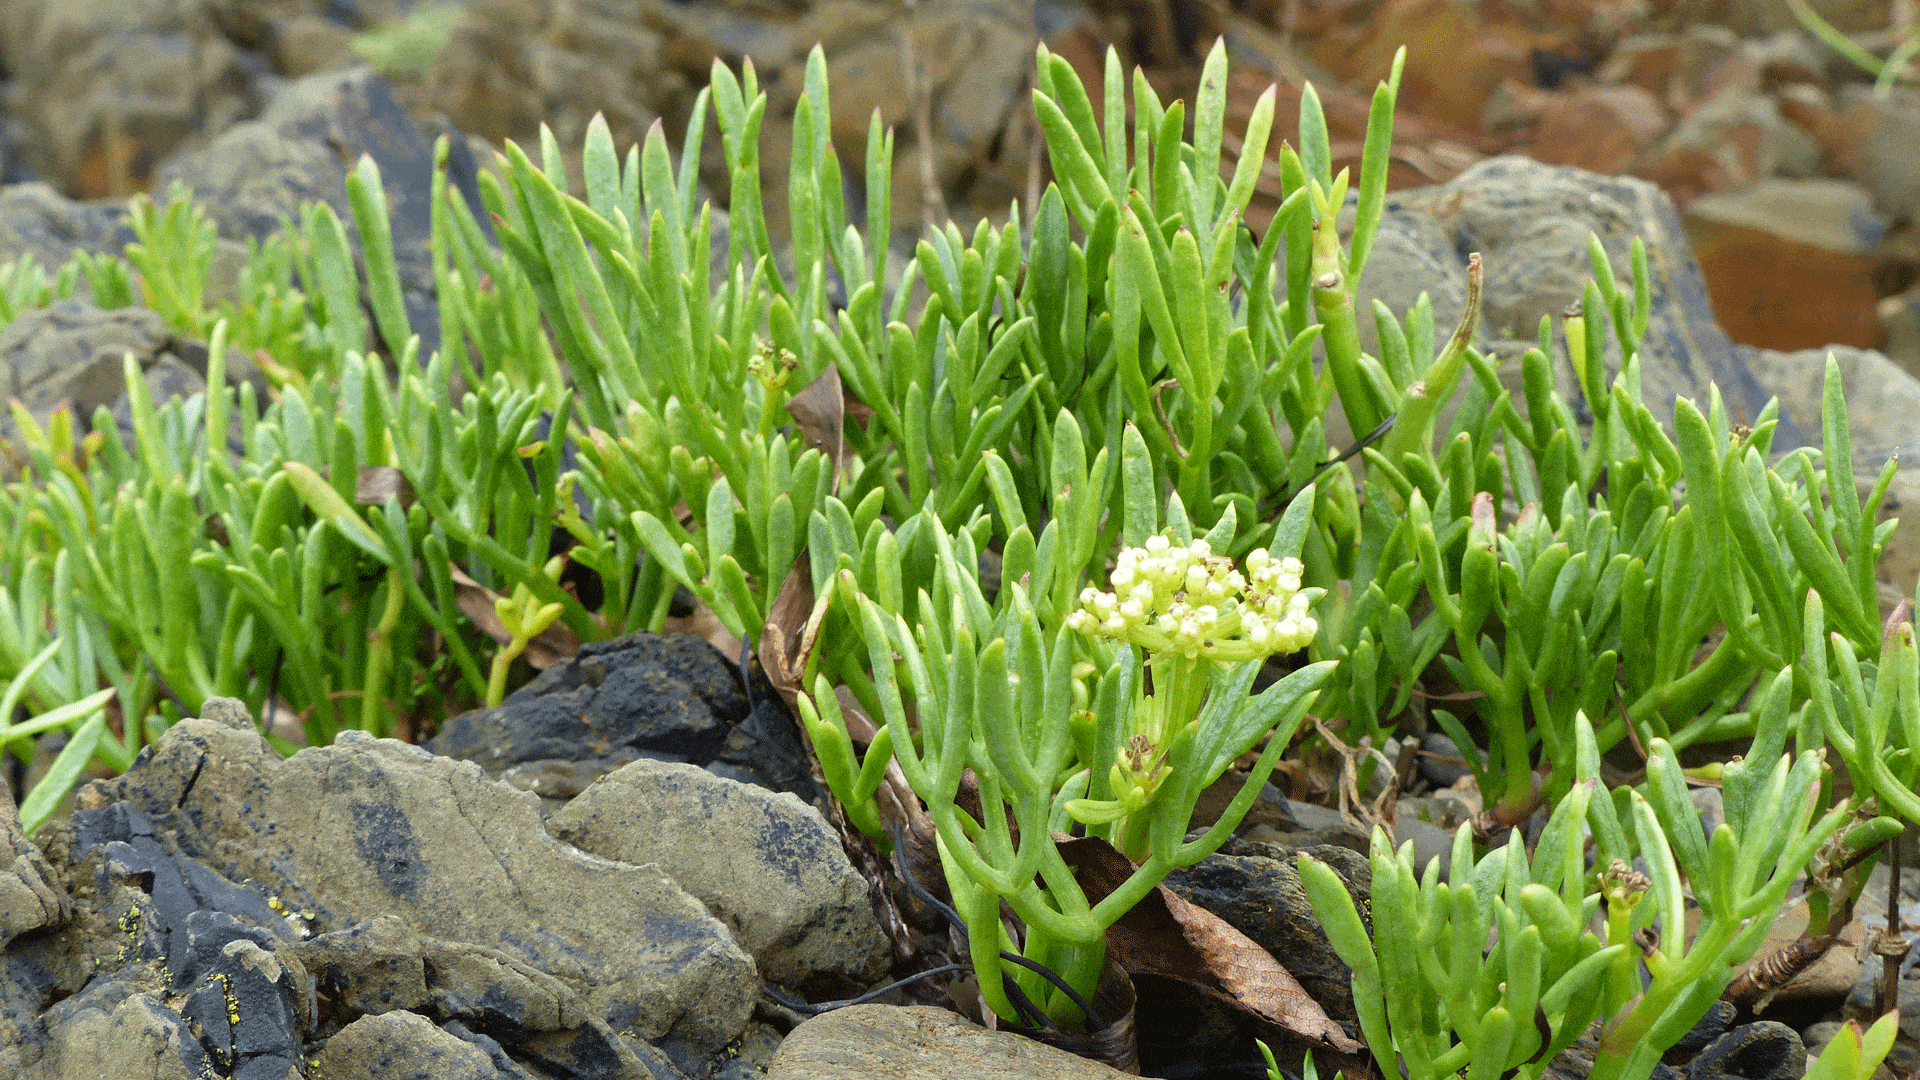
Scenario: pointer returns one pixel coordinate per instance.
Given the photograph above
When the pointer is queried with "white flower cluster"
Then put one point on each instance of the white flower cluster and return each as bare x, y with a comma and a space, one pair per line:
1184, 599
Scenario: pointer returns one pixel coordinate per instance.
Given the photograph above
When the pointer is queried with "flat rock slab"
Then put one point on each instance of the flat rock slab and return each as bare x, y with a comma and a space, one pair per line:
885, 1042
765, 864
372, 827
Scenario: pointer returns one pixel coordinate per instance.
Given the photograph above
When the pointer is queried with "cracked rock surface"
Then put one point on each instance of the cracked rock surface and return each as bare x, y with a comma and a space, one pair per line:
371, 909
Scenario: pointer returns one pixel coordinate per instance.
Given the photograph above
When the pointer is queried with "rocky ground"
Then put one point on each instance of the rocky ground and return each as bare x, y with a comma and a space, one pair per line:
525, 897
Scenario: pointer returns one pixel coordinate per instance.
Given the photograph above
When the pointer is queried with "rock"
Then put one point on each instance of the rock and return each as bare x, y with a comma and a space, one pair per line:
404, 1045
1789, 262
1307, 825
1530, 222
30, 895
766, 865
1647, 60
72, 352
1884, 158
301, 149
511, 66
36, 220
1707, 1030
1763, 1050
872, 1042
1600, 128
1441, 762
1900, 317
119, 1028
106, 89
976, 57
1769, 16
1822, 982
670, 697
388, 829
1438, 36
300, 37
1429, 827
1261, 896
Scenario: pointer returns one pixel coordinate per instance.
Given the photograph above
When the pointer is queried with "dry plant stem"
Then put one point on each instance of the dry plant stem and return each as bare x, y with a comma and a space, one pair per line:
1756, 985
1892, 943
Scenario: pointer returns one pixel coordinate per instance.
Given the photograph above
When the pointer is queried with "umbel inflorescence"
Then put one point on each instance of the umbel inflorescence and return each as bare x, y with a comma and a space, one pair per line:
1185, 600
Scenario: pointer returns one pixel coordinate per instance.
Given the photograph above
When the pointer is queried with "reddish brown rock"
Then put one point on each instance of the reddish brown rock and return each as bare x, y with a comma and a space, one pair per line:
1598, 128
1787, 262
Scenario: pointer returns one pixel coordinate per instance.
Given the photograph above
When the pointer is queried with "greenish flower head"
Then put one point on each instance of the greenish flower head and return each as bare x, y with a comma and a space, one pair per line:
1182, 599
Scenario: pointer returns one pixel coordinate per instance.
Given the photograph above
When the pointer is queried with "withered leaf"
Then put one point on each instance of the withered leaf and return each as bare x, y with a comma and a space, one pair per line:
373, 484
820, 410
1166, 936
784, 640
554, 644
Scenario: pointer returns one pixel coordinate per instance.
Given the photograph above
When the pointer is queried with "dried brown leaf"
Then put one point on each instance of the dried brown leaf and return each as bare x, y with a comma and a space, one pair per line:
554, 644
1166, 936
819, 411
374, 484
785, 641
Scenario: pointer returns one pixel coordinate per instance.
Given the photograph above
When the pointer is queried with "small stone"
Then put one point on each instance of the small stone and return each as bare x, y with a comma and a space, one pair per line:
869, 1042
1441, 762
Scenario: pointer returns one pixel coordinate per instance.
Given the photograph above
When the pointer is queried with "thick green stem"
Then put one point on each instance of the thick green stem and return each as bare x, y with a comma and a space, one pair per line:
373, 716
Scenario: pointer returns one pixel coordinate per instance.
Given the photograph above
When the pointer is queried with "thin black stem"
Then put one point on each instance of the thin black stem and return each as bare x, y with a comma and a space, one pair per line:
815, 1009
1020, 1000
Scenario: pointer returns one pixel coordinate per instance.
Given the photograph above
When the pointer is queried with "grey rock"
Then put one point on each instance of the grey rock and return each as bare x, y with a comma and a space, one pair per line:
371, 967
669, 697
120, 1027
401, 1046
36, 220
767, 865
301, 149
105, 89
1887, 165
31, 895
1427, 825
229, 711
1882, 399
388, 829
875, 1042
1762, 1050
1530, 223
1441, 762
72, 352
1261, 896
483, 996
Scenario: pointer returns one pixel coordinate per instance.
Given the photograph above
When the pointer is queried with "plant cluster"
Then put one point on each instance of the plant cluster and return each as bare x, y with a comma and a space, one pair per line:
1062, 505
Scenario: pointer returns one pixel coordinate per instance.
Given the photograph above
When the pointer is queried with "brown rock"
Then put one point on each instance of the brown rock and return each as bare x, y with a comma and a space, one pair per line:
878, 1042
514, 64
1884, 158
1648, 61
1724, 143
1455, 59
1599, 128
1787, 262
